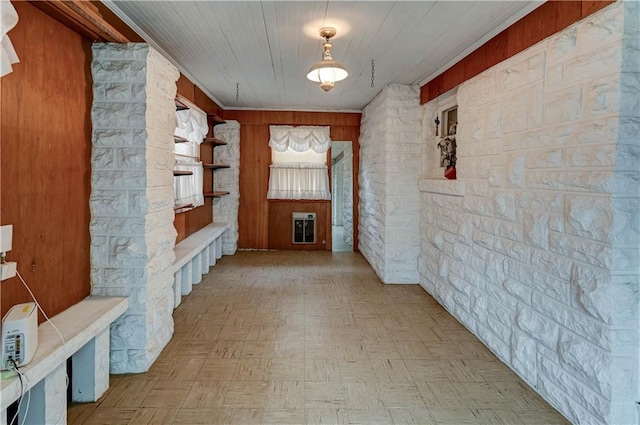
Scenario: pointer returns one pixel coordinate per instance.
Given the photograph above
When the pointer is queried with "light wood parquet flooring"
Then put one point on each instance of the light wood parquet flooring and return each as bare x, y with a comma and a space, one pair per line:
315, 338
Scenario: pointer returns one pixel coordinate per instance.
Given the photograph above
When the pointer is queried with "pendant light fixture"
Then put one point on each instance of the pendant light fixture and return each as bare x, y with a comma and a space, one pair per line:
327, 72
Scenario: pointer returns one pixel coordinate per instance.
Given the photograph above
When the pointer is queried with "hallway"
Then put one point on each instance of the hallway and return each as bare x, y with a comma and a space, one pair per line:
313, 337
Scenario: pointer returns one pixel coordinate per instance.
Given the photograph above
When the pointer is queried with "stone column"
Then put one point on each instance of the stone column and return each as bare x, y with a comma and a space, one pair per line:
132, 233
347, 194
390, 148
225, 209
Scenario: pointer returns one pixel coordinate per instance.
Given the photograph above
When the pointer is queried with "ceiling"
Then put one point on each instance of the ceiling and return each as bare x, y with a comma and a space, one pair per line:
264, 48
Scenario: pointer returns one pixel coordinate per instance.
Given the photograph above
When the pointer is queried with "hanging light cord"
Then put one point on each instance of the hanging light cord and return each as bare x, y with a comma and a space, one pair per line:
373, 72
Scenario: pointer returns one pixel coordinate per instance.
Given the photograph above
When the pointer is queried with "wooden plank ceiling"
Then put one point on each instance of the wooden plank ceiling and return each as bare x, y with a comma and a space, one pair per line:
267, 47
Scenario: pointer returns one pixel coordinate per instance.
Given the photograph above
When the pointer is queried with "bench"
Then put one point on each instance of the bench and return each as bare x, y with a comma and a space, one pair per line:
85, 328
194, 256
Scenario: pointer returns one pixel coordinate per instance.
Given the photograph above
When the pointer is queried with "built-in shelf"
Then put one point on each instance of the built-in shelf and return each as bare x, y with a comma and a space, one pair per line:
180, 106
215, 194
216, 166
214, 141
182, 207
179, 139
182, 173
215, 119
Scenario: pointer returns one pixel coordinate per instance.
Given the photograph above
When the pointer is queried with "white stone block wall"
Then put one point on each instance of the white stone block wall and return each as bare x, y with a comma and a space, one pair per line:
132, 233
337, 198
535, 248
390, 148
347, 194
225, 209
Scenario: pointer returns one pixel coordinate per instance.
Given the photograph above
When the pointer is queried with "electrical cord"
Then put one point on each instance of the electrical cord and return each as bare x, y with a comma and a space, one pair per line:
28, 392
22, 378
40, 308
21, 375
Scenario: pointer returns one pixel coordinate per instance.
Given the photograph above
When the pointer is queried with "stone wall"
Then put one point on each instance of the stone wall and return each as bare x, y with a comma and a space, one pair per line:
390, 147
535, 247
225, 209
132, 233
347, 194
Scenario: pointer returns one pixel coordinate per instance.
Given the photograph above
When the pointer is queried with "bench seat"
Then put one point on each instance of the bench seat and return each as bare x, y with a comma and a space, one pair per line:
85, 328
194, 256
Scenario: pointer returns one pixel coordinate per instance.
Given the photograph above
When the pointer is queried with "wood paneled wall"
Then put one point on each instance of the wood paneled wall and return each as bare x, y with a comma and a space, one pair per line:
546, 20
45, 135
281, 225
258, 218
189, 222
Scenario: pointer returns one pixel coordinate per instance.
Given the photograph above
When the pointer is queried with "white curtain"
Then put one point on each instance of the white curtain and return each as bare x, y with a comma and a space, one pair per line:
191, 124
300, 139
188, 189
8, 20
299, 181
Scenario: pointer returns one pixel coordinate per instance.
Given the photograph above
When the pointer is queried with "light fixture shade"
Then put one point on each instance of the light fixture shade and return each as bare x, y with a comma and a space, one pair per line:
327, 71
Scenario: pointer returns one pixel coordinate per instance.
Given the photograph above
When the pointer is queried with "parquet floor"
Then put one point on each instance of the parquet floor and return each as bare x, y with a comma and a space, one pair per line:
315, 338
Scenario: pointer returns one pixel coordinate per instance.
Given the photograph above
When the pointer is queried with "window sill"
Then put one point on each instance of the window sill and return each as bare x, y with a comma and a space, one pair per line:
441, 186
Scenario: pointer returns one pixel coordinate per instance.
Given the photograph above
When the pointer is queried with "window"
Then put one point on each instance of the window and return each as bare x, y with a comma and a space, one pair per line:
447, 143
192, 127
299, 163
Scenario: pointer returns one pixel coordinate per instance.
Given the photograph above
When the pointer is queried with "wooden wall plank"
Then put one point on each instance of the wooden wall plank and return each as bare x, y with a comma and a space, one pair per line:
253, 214
186, 88
567, 12
280, 224
82, 17
549, 18
204, 102
45, 164
116, 22
256, 214
588, 7
540, 24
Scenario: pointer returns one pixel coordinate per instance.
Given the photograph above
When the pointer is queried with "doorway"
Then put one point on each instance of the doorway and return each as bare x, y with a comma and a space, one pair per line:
342, 196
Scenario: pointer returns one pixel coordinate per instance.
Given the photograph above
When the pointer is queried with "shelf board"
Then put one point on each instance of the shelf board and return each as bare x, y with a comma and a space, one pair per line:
179, 139
182, 173
216, 166
215, 120
214, 141
182, 207
180, 106
215, 194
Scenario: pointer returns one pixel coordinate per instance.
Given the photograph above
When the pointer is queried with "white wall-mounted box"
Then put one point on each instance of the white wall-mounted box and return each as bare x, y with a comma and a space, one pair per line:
6, 235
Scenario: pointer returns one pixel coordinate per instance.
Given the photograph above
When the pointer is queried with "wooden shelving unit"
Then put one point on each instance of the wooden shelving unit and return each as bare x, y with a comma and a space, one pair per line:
216, 194
182, 173
180, 208
214, 120
215, 142
216, 166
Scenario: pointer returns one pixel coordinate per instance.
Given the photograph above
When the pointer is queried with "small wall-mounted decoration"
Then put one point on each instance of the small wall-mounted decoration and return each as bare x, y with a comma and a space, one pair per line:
447, 143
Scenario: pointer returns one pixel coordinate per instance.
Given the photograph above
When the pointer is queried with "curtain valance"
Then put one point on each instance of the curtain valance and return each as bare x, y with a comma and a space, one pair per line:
192, 124
299, 139
8, 20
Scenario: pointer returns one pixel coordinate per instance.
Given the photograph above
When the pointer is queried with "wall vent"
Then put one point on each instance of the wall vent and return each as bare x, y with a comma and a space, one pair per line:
304, 227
